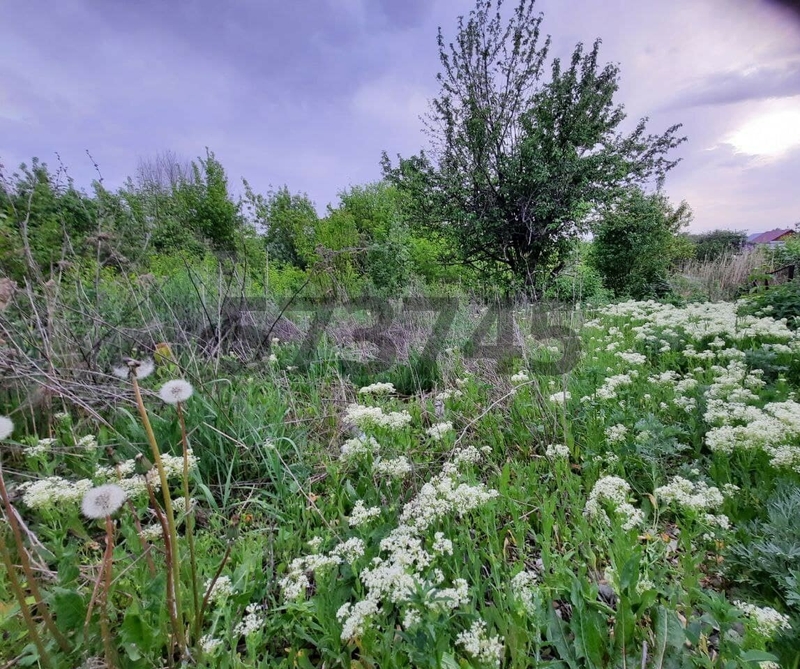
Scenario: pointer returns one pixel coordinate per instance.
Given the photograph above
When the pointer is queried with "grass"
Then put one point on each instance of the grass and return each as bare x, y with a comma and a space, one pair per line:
545, 526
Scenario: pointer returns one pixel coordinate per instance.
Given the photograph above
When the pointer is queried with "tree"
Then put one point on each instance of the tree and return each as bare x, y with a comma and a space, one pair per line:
714, 244
637, 241
517, 164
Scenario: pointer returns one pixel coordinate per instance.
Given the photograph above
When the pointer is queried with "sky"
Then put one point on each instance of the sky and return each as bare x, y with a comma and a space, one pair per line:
309, 93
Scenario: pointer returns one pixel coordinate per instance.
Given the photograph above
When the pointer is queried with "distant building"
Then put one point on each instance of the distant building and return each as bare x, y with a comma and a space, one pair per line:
771, 237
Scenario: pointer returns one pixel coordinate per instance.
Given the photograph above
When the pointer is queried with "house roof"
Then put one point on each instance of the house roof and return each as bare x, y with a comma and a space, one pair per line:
769, 236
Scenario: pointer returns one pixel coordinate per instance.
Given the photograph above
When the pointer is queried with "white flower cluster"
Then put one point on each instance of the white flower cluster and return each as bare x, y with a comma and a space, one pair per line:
209, 644
223, 588
766, 620
252, 622
451, 393
614, 491
358, 446
54, 491
399, 571
88, 443
152, 532
632, 357
41, 447
362, 514
354, 616
560, 398
437, 432
555, 451
523, 586
377, 389
350, 550
693, 496
616, 433
520, 377
397, 468
484, 648
363, 416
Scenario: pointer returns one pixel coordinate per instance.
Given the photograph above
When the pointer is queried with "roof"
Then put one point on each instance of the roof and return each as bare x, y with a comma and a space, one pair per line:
769, 236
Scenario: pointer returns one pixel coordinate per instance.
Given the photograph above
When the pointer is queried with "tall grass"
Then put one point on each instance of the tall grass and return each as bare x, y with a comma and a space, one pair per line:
722, 278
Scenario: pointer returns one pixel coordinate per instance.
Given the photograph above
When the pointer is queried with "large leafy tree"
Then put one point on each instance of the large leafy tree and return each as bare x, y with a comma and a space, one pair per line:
518, 163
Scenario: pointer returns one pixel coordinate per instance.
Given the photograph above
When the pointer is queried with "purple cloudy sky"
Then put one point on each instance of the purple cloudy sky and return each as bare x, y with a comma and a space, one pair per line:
308, 93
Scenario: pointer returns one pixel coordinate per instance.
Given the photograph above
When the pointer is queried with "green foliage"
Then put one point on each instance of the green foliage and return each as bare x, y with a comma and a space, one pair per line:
636, 242
768, 556
521, 162
781, 301
717, 243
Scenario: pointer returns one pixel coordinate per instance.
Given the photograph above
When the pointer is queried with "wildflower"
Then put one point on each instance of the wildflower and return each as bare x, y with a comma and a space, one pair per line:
448, 394
436, 432
557, 451
354, 616
411, 617
442, 545
520, 377
314, 543
362, 514
349, 550
175, 391
102, 501
522, 585
88, 443
766, 620
616, 433
151, 533
396, 468
251, 623
613, 491
222, 589
695, 496
54, 491
40, 447
561, 397
209, 644
476, 642
357, 446
363, 416
377, 389
6, 427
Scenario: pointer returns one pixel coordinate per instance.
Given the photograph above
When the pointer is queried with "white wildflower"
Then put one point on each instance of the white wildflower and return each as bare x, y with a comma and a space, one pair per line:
252, 622
555, 451
561, 398
766, 620
395, 468
209, 644
437, 432
222, 589
354, 616
377, 389
476, 642
362, 514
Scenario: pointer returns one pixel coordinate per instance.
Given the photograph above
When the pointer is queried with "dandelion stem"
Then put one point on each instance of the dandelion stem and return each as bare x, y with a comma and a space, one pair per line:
108, 558
173, 535
19, 593
33, 586
189, 519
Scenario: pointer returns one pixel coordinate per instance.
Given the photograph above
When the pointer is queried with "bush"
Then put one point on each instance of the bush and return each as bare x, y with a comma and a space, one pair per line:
781, 301
636, 243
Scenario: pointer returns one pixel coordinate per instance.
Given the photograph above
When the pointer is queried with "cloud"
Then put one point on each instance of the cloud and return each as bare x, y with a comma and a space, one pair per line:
755, 83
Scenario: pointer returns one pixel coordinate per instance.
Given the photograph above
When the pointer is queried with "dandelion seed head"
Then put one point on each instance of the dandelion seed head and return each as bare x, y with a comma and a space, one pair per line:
175, 391
102, 501
6, 427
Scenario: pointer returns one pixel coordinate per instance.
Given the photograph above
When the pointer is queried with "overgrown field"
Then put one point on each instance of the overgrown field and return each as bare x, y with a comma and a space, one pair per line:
640, 510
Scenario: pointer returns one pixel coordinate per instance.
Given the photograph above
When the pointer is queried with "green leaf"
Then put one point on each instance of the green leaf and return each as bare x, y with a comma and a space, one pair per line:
448, 662
669, 634
557, 635
69, 609
758, 656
